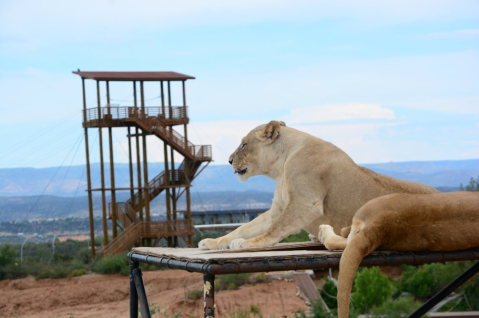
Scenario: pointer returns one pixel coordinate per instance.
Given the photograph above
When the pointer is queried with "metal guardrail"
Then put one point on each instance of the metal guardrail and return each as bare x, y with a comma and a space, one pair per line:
137, 231
126, 112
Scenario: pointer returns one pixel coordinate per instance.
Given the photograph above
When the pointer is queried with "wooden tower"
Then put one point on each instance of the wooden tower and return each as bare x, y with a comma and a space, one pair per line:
133, 216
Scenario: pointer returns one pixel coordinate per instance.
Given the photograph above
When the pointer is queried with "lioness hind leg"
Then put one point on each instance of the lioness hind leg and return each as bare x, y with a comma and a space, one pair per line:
331, 240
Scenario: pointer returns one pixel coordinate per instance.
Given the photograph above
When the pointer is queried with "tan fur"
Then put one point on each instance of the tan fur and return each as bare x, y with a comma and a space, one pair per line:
317, 183
405, 222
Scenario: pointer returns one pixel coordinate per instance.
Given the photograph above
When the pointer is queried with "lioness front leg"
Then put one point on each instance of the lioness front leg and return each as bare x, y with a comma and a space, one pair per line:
251, 229
293, 218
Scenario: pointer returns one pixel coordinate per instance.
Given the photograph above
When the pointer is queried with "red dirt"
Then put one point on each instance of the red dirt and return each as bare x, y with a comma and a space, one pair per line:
108, 296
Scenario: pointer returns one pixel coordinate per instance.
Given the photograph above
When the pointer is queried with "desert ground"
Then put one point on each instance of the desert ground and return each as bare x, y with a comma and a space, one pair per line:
108, 296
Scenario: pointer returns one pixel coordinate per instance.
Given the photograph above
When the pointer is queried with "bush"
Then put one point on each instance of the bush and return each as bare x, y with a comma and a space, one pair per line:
254, 311
328, 293
301, 236
77, 272
194, 294
371, 288
7, 261
115, 264
427, 280
398, 308
231, 281
260, 278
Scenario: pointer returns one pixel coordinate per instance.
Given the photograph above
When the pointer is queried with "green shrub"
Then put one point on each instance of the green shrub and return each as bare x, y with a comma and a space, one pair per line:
260, 278
7, 255
301, 236
8, 265
427, 280
194, 294
397, 308
115, 264
231, 281
328, 293
371, 288
77, 272
254, 311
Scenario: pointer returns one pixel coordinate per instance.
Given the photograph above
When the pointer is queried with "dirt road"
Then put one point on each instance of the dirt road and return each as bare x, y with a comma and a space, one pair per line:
108, 296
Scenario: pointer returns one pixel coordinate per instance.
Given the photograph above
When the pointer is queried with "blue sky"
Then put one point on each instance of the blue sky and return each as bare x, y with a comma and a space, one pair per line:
383, 80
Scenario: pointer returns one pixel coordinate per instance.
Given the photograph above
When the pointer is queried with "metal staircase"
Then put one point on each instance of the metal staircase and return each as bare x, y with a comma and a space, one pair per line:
156, 121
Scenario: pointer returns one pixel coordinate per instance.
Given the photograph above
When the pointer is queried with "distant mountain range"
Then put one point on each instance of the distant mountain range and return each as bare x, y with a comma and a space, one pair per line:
71, 181
58, 192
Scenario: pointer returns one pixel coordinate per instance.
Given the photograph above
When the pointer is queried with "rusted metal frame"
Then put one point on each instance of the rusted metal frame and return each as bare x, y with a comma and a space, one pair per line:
145, 164
141, 293
102, 171
138, 161
322, 262
209, 295
88, 176
446, 291
112, 167
133, 293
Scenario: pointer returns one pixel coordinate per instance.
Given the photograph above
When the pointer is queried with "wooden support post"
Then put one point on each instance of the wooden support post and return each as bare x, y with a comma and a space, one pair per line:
145, 163
130, 164
102, 170
187, 169
186, 115
138, 161
174, 170
167, 171
88, 175
163, 112
112, 168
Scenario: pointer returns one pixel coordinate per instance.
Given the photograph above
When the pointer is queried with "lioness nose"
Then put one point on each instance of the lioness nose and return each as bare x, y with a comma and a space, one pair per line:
230, 161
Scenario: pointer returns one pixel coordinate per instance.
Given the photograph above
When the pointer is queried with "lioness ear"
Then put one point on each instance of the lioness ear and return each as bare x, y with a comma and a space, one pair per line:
270, 131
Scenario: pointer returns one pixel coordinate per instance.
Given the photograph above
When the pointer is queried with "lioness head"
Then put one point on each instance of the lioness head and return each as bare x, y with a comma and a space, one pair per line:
255, 151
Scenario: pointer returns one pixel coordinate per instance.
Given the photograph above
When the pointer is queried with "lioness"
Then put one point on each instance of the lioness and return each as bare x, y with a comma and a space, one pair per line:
404, 222
317, 183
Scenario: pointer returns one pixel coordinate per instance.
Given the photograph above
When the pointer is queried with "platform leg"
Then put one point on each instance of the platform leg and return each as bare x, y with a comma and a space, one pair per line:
133, 293
141, 292
428, 305
209, 295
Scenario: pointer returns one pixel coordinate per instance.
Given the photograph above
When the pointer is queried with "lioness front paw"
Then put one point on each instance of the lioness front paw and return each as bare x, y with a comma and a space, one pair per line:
237, 244
212, 244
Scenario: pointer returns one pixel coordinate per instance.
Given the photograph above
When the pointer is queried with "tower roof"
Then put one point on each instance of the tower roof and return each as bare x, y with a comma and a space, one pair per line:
134, 76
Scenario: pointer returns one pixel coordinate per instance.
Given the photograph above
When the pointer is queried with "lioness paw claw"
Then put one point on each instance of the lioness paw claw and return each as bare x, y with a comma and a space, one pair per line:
237, 244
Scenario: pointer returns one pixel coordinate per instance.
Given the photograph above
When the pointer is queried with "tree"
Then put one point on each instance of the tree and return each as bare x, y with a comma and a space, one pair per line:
371, 288
472, 186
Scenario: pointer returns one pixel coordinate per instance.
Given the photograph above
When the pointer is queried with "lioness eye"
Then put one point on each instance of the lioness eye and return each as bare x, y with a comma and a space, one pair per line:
243, 145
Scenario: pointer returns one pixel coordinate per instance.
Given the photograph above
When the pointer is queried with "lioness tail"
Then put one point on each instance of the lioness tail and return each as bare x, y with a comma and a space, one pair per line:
361, 245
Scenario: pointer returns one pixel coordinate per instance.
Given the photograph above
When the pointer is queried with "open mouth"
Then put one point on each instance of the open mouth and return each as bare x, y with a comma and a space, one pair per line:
241, 172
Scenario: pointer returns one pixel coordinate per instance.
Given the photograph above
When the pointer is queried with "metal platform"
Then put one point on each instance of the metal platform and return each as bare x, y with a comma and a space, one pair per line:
281, 257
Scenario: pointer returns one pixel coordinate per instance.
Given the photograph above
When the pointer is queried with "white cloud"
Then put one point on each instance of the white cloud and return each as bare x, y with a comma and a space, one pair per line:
338, 112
